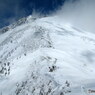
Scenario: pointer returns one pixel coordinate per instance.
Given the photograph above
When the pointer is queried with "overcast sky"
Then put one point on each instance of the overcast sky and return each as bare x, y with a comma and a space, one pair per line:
80, 14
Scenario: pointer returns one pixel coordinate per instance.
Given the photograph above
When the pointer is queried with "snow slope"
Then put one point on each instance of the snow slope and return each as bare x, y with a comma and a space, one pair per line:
45, 57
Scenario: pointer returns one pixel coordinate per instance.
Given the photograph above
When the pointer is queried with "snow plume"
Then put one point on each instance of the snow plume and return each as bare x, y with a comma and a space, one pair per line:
79, 13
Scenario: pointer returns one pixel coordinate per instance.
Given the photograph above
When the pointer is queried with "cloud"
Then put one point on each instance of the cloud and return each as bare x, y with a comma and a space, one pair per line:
80, 13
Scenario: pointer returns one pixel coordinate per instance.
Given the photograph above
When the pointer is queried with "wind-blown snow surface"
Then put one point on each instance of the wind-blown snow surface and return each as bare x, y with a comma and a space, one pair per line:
44, 57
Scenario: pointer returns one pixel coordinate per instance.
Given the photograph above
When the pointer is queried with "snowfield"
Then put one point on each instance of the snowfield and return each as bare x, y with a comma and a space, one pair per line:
45, 57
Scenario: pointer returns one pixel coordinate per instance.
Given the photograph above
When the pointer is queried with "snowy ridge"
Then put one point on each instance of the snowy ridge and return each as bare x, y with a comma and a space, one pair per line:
45, 57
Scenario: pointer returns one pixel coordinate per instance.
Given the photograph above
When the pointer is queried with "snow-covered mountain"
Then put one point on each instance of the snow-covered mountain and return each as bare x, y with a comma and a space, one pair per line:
45, 57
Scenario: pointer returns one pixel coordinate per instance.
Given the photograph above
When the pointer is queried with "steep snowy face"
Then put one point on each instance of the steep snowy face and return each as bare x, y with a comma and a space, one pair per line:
44, 57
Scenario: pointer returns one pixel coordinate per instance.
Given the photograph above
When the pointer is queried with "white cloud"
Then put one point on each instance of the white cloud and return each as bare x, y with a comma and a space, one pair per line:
80, 13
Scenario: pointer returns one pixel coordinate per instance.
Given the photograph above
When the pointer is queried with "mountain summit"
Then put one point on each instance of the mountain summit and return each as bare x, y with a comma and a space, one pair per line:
41, 56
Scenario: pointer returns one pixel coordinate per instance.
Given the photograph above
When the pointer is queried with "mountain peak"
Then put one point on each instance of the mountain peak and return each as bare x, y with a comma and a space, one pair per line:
41, 56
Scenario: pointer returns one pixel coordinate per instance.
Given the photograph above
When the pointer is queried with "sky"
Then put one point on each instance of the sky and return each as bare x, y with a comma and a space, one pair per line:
12, 10
79, 13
